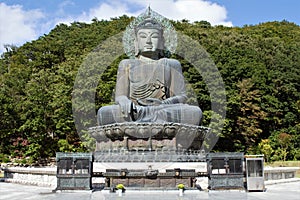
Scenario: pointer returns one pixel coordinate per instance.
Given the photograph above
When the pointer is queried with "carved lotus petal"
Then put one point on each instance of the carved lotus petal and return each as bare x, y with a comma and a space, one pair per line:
170, 131
155, 130
117, 131
186, 136
143, 132
130, 130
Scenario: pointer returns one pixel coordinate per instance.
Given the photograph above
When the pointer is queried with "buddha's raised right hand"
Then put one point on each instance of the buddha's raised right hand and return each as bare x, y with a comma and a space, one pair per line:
125, 105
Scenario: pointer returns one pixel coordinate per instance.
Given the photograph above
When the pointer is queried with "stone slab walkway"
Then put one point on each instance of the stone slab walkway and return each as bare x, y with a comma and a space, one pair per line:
10, 191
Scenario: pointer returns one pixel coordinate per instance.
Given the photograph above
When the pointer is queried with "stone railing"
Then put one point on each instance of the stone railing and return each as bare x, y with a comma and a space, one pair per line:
142, 155
46, 176
276, 173
31, 176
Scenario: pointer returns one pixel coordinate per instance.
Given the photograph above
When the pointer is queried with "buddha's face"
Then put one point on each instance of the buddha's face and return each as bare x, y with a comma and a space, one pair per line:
149, 41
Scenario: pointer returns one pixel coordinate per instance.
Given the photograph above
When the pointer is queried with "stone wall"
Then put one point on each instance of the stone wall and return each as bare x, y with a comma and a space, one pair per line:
45, 177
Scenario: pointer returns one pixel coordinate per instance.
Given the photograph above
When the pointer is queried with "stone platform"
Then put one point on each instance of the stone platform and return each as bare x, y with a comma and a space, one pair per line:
162, 175
161, 167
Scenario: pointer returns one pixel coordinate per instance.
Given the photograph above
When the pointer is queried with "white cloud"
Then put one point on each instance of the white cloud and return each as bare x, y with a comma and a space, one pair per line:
192, 10
105, 11
17, 25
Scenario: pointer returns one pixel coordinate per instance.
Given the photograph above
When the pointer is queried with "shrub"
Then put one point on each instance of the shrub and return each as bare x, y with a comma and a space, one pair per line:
180, 186
120, 187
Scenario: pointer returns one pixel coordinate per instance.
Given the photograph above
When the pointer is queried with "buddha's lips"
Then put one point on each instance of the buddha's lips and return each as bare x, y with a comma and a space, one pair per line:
148, 47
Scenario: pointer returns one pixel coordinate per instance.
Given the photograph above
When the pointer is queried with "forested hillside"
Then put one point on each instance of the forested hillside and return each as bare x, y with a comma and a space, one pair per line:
260, 66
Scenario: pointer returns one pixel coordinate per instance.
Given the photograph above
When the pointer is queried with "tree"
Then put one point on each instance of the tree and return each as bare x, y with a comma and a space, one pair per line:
284, 140
259, 65
249, 114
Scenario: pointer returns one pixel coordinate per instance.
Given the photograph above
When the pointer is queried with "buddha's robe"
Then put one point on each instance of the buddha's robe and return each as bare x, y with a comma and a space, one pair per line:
157, 90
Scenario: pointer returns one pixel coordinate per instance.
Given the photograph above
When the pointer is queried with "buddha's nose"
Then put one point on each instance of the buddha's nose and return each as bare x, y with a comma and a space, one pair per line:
149, 40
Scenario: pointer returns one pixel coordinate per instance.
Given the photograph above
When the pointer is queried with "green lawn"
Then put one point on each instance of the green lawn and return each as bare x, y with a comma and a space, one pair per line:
284, 164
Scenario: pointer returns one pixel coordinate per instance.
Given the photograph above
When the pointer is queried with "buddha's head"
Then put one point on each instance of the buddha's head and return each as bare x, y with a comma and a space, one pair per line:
149, 40
151, 35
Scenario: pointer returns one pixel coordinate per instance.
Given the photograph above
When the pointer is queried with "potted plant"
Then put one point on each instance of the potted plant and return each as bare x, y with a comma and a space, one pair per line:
120, 189
181, 189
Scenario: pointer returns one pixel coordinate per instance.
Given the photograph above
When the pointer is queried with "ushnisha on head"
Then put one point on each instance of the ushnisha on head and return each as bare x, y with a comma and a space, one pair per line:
149, 41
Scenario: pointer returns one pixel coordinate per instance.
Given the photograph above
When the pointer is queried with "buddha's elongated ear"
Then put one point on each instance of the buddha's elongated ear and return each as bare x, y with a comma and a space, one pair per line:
136, 46
161, 46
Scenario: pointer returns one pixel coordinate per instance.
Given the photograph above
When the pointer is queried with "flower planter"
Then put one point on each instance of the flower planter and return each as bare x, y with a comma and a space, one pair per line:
120, 193
180, 192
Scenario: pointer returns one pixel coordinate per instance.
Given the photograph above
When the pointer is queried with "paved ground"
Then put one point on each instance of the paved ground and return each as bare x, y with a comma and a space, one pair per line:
281, 191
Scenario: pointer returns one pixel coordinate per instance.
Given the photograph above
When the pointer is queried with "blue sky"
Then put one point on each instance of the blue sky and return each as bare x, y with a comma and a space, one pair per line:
26, 20
242, 12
